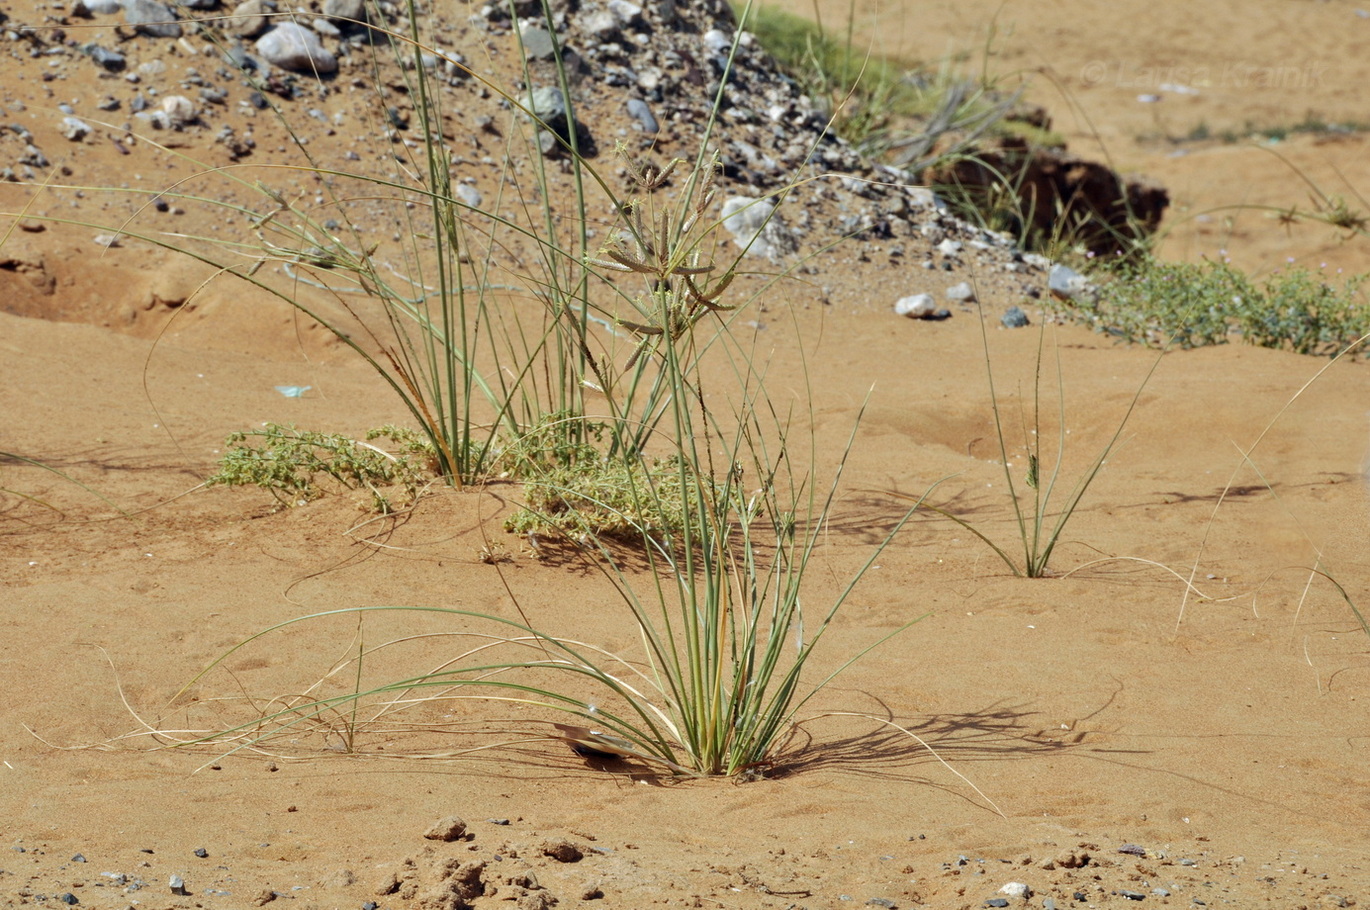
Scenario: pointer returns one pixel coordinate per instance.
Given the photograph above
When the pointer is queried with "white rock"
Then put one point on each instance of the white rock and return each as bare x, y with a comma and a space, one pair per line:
961, 293
756, 228
626, 13
919, 306
1067, 284
1016, 889
923, 198
602, 24
180, 111
75, 129
291, 46
468, 194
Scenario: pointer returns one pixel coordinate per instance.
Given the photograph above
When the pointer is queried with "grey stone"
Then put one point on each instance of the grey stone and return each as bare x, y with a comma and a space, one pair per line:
238, 57
152, 18
198, 4
325, 28
537, 42
549, 106
291, 46
102, 7
640, 112
1014, 318
112, 61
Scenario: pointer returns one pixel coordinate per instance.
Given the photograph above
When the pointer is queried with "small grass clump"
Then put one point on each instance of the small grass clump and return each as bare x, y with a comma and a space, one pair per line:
293, 465
1038, 499
1189, 305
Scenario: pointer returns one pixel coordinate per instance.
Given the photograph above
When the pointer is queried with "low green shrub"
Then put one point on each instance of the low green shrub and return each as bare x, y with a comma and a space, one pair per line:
291, 464
1190, 305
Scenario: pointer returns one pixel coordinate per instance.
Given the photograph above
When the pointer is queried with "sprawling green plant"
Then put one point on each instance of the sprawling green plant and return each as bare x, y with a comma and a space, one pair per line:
289, 463
1188, 305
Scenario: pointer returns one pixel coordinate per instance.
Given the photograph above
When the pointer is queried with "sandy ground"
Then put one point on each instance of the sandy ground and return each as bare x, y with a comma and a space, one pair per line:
1097, 735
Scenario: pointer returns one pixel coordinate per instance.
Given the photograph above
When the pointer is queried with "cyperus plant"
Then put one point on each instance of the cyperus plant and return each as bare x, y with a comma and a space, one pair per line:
1040, 515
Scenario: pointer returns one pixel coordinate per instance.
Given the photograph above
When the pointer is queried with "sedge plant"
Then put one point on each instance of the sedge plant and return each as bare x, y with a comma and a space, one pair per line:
1040, 502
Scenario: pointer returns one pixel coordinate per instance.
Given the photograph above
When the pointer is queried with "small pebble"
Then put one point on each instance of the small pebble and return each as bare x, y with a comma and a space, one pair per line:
201, 852
178, 886
1132, 895
1014, 318
69, 899
78, 858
